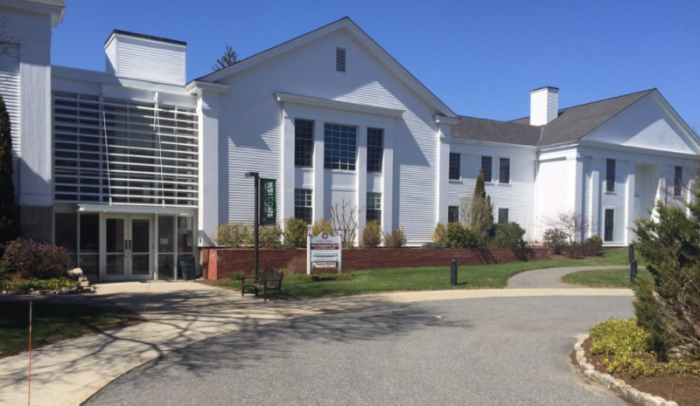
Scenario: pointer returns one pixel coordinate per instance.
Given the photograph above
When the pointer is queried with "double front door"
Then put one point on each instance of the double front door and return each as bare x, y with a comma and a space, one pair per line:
128, 246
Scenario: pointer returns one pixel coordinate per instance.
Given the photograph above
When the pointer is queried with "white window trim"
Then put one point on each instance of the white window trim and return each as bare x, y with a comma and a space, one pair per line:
602, 234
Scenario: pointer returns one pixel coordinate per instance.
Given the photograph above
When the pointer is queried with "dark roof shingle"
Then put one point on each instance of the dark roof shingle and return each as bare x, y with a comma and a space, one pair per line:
481, 129
573, 123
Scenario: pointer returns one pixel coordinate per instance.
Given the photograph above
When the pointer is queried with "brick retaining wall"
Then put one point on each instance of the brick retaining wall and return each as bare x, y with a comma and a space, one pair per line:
217, 263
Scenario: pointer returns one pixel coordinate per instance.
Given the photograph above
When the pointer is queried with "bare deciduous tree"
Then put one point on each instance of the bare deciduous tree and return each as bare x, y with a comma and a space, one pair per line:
344, 218
570, 222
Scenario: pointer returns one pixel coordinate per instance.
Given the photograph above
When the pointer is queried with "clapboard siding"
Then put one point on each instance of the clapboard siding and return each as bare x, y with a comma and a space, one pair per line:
551, 188
517, 197
147, 60
250, 129
10, 91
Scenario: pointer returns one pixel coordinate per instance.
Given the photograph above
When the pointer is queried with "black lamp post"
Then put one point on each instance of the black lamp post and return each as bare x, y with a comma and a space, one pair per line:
256, 220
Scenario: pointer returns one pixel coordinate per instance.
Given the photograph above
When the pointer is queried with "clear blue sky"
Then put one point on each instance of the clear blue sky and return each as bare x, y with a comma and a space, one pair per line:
481, 58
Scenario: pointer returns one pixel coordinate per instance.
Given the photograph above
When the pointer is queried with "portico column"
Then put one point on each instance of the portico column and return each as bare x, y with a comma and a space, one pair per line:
388, 181
319, 203
629, 202
361, 181
594, 220
286, 186
444, 129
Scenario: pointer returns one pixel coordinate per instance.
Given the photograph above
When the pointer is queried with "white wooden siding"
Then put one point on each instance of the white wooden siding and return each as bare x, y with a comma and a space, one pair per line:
250, 128
10, 91
143, 59
517, 197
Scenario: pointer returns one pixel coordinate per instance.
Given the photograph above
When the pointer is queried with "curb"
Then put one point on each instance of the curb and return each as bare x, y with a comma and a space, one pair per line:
620, 387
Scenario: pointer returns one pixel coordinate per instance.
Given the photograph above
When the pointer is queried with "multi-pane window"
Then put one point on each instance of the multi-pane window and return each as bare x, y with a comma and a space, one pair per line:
374, 207
303, 204
303, 143
452, 214
340, 59
610, 175
504, 170
677, 181
340, 147
502, 216
455, 166
609, 224
375, 149
486, 168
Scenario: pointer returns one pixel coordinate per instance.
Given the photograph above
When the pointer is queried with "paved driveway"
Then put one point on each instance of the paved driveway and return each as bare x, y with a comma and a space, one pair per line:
550, 278
490, 351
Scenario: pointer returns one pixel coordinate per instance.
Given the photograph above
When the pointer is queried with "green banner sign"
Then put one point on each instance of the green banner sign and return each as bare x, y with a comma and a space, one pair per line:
268, 202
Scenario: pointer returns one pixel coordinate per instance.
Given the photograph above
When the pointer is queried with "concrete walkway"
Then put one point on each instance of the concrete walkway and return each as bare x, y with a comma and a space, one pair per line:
180, 314
550, 278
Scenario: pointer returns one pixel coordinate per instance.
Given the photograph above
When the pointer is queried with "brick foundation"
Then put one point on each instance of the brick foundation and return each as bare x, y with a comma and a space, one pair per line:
217, 263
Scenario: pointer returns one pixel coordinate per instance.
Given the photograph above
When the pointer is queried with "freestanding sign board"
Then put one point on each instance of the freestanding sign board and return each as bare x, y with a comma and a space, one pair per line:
323, 251
268, 202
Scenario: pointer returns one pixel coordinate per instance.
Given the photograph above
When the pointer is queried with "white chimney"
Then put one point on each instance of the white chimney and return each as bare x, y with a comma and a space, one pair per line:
137, 56
544, 105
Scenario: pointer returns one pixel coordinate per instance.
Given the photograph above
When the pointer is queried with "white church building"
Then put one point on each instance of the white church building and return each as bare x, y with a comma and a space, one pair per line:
133, 168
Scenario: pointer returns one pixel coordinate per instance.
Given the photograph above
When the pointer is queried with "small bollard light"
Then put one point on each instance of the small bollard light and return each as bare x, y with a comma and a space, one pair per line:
453, 271
633, 272
633, 265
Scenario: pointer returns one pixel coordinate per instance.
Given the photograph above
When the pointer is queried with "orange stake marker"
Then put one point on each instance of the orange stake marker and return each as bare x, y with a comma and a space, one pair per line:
29, 388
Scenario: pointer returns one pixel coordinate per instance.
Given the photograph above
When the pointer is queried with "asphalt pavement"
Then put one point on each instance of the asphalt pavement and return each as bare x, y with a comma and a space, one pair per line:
491, 351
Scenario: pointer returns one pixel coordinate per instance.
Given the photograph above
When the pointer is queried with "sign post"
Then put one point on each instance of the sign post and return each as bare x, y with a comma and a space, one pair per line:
324, 251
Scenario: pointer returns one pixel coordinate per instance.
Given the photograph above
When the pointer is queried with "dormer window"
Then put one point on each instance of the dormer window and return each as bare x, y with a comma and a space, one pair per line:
340, 59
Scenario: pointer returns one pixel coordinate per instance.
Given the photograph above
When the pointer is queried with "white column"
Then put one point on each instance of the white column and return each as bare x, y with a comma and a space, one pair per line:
36, 165
629, 203
577, 192
444, 126
319, 205
361, 179
388, 181
208, 213
595, 223
286, 186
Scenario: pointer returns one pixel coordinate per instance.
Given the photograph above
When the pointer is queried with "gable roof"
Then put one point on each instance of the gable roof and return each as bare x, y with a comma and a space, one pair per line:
573, 123
350, 26
481, 129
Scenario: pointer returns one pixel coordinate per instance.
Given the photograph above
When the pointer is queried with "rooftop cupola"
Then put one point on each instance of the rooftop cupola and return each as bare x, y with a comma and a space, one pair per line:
544, 105
144, 57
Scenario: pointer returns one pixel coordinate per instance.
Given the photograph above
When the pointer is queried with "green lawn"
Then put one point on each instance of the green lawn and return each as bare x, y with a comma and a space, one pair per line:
433, 278
604, 278
54, 322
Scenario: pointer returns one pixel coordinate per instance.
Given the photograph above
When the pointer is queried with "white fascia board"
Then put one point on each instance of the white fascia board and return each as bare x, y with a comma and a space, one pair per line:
102, 78
676, 118
491, 144
103, 208
196, 87
337, 105
634, 150
364, 39
446, 120
56, 12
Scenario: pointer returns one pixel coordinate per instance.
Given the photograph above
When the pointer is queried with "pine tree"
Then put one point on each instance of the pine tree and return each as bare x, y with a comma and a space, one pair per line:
230, 57
8, 209
481, 208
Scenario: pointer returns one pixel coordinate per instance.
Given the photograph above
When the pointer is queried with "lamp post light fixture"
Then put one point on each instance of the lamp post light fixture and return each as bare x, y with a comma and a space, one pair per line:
256, 220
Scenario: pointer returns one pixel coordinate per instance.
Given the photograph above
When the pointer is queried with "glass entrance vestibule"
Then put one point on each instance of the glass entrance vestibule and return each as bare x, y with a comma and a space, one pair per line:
112, 245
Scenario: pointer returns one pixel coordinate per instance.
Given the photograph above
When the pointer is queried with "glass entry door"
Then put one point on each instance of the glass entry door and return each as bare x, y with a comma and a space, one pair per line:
127, 252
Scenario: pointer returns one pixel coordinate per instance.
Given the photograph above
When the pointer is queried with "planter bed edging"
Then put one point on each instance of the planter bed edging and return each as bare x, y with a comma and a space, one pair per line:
618, 386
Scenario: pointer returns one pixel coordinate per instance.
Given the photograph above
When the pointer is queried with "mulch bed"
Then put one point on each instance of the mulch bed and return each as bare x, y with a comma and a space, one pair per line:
682, 389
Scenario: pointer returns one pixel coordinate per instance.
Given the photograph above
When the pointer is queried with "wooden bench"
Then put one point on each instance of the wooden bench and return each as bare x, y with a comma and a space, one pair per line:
267, 280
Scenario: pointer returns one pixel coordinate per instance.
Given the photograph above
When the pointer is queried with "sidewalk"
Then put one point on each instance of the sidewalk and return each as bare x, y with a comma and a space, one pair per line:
180, 314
